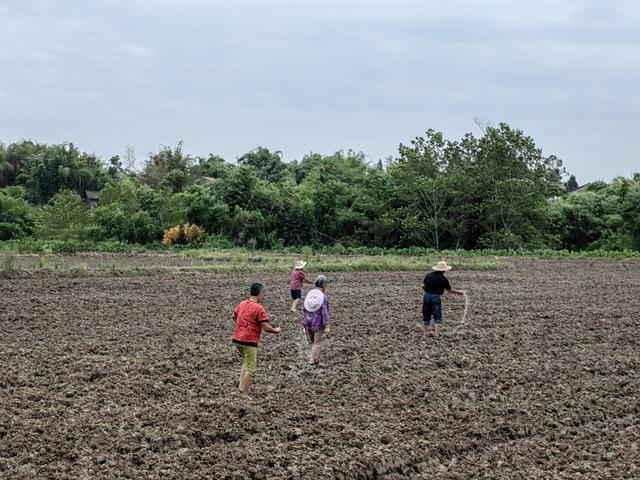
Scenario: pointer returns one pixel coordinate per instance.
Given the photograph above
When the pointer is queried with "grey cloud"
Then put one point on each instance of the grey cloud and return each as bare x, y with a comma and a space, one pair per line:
323, 75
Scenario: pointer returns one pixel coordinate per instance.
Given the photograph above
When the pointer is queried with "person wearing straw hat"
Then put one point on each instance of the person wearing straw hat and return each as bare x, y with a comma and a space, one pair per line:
316, 318
434, 286
298, 277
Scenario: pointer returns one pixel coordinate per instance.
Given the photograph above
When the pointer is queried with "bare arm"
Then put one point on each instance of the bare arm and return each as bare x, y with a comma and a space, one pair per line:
453, 291
267, 327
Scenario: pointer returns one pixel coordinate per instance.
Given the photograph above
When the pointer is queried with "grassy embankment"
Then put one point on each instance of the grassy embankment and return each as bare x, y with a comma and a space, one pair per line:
76, 258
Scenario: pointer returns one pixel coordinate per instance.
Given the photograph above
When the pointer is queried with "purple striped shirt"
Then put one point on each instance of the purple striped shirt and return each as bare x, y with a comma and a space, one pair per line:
318, 320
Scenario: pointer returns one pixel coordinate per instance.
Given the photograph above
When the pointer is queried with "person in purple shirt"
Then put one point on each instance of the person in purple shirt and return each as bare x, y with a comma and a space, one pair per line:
316, 318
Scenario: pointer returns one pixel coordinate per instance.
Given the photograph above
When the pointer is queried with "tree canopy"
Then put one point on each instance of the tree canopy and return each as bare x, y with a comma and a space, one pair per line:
497, 190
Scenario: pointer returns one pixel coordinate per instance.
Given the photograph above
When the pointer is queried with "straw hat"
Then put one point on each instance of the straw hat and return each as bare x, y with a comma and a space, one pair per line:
300, 264
442, 266
313, 301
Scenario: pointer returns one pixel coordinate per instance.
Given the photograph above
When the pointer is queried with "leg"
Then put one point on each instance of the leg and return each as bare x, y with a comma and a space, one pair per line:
294, 305
314, 357
296, 296
437, 316
249, 367
242, 372
246, 384
427, 312
241, 382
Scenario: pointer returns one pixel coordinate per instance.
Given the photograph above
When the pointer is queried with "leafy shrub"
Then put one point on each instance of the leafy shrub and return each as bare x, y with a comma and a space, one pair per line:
16, 217
64, 217
218, 242
112, 222
184, 234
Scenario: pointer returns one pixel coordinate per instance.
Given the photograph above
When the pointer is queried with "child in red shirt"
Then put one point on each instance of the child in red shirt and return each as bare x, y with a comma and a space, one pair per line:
251, 319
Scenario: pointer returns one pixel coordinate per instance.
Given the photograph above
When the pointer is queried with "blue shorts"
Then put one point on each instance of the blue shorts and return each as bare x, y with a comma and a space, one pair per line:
295, 294
431, 307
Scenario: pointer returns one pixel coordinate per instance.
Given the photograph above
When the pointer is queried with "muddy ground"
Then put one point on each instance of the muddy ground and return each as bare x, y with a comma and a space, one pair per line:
135, 377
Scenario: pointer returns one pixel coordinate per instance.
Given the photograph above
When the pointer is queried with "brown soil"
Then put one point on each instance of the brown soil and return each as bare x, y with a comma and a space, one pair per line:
136, 378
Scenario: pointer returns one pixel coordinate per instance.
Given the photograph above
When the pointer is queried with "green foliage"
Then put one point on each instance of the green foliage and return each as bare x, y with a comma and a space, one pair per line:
602, 216
267, 165
168, 162
72, 246
238, 188
48, 169
175, 180
137, 200
213, 167
496, 192
204, 207
13, 160
571, 185
490, 191
63, 217
250, 227
17, 218
113, 222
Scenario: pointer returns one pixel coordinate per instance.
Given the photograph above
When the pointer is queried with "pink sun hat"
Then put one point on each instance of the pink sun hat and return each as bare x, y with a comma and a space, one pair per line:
313, 301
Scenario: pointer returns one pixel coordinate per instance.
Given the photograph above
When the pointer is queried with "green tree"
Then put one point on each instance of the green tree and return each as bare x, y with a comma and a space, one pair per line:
213, 166
113, 222
238, 188
333, 184
586, 218
631, 212
64, 217
13, 160
205, 208
516, 181
175, 180
134, 198
17, 217
571, 185
421, 173
268, 165
60, 167
168, 160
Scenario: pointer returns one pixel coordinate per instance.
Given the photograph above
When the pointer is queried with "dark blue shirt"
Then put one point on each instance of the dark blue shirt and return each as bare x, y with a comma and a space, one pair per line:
436, 282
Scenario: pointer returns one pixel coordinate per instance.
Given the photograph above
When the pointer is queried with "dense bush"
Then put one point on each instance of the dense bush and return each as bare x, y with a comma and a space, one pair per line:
64, 217
113, 222
17, 217
184, 234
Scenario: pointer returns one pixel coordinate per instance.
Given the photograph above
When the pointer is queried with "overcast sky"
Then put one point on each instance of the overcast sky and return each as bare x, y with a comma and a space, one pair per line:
300, 76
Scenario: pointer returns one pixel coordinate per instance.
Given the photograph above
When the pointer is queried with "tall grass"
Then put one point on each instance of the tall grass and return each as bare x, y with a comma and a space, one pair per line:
307, 252
8, 262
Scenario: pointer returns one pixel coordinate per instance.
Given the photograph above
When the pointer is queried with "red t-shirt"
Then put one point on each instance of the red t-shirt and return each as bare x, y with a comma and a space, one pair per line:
249, 318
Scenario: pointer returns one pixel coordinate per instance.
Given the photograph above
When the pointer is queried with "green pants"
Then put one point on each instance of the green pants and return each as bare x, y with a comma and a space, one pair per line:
249, 358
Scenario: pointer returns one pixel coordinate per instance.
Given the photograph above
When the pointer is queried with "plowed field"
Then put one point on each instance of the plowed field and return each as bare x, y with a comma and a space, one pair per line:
135, 377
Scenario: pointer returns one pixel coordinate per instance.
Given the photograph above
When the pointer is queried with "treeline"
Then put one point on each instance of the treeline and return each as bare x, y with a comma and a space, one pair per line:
494, 191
